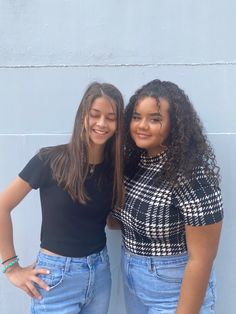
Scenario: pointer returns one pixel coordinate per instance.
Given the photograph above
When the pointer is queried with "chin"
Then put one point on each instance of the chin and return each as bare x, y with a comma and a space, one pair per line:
140, 145
99, 143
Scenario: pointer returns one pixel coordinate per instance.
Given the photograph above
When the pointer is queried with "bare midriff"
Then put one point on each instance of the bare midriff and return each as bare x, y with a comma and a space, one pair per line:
49, 252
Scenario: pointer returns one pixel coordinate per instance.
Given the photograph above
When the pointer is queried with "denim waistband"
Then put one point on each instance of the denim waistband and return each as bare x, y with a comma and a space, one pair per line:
164, 259
64, 261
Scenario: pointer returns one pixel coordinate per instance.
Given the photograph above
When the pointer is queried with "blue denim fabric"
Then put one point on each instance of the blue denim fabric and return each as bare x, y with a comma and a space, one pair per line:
77, 285
152, 284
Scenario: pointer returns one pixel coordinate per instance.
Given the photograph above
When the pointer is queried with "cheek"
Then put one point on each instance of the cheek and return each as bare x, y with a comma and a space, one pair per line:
89, 123
113, 126
165, 132
131, 128
132, 133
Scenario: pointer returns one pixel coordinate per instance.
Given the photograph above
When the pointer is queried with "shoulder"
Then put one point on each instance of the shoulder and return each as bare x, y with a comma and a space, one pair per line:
50, 152
199, 198
199, 177
37, 171
200, 188
38, 160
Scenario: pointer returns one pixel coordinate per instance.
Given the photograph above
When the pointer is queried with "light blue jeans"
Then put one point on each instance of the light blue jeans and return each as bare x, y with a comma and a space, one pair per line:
152, 284
77, 285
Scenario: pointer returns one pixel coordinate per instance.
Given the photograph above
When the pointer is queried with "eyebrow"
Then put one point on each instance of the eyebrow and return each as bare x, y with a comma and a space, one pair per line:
154, 114
98, 111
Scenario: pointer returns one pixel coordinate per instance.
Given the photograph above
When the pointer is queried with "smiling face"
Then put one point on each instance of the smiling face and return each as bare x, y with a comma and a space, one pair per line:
150, 125
101, 121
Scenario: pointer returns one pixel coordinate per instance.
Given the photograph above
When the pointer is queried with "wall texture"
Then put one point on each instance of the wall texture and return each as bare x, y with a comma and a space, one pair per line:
51, 50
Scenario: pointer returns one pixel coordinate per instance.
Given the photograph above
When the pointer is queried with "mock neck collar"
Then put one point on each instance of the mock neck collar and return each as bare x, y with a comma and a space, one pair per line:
153, 160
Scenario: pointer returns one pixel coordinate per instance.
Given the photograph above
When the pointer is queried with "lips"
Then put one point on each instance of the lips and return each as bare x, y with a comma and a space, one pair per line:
143, 135
99, 132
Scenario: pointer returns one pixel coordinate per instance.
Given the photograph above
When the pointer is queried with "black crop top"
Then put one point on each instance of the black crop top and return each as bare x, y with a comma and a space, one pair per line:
70, 228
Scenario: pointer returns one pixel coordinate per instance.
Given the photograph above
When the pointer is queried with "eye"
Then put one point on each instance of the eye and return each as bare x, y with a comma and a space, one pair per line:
111, 118
94, 114
135, 117
155, 120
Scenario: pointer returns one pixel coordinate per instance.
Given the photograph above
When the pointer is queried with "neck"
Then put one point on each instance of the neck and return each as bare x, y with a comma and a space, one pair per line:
96, 154
156, 152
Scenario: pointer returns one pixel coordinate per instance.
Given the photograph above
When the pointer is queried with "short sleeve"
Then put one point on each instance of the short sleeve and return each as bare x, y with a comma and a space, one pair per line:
35, 172
199, 200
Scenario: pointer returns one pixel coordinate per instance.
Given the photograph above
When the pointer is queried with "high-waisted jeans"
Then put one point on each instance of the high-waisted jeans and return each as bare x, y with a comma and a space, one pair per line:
152, 284
77, 285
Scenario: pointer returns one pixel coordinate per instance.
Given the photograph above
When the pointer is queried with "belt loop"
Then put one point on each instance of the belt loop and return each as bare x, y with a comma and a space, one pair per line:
150, 265
127, 254
102, 255
88, 260
67, 264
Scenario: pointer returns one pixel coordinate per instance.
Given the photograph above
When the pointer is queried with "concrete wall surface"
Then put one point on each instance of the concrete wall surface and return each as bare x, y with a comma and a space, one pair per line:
51, 50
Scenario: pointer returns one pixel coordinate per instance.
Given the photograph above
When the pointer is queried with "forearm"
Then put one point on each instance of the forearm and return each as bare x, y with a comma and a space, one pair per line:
6, 236
194, 285
9, 199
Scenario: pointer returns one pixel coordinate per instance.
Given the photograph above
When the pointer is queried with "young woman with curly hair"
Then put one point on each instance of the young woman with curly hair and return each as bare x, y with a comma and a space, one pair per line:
79, 184
171, 219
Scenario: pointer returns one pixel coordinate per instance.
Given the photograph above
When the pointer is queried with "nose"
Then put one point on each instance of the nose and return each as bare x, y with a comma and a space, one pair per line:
101, 122
143, 124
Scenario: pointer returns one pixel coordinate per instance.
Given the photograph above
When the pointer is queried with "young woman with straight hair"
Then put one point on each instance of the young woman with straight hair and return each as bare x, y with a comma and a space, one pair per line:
79, 184
171, 219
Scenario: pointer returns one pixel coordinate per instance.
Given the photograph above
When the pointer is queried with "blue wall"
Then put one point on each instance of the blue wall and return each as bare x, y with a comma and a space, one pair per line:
51, 50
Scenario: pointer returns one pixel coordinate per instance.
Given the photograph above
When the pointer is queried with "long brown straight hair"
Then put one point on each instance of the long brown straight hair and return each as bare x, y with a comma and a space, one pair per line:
70, 162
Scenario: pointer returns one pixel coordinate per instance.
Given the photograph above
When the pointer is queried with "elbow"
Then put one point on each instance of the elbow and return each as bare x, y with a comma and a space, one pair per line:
206, 259
5, 210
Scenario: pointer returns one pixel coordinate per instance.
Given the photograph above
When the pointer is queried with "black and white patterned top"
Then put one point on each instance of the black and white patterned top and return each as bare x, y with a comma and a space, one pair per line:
154, 217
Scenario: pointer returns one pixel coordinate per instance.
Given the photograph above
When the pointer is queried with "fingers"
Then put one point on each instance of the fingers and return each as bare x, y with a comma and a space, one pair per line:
25, 278
42, 271
26, 289
32, 291
41, 283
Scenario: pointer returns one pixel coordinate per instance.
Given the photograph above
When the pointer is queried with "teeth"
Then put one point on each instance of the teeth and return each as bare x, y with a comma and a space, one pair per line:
99, 132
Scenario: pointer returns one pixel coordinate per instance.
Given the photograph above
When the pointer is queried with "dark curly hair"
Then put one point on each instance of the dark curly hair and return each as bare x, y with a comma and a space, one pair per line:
187, 145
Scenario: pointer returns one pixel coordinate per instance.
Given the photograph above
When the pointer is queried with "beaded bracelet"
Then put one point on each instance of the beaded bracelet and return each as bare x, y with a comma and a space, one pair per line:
7, 260
10, 265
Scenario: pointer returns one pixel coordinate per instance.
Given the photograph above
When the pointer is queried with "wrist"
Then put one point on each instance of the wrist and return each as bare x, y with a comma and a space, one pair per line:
10, 271
10, 265
9, 259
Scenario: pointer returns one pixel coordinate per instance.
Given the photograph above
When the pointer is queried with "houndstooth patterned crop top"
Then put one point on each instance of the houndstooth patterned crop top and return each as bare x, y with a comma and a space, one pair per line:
154, 217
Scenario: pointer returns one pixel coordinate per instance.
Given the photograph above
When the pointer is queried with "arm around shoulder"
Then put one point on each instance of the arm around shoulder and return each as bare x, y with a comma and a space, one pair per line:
113, 223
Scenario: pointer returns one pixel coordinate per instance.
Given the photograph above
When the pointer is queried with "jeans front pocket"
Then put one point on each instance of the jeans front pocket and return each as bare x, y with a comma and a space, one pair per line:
210, 296
55, 276
171, 272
